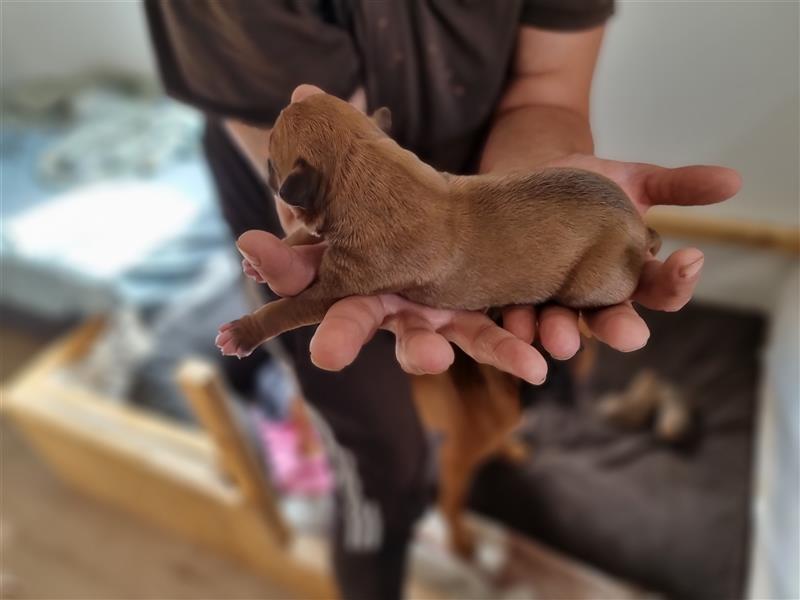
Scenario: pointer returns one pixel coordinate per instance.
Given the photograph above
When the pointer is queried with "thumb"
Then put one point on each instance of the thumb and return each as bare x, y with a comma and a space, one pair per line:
286, 270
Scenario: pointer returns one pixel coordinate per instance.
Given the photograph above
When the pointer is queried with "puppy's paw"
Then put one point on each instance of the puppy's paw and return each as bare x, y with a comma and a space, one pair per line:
462, 542
515, 452
235, 339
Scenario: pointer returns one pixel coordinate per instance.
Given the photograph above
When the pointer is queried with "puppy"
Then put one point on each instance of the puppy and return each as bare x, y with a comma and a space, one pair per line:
393, 224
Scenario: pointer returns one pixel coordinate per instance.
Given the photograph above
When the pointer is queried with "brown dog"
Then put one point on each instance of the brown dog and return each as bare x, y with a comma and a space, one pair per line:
395, 225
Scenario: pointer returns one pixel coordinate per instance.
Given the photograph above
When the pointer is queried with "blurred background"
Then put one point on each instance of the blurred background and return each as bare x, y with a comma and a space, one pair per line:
117, 269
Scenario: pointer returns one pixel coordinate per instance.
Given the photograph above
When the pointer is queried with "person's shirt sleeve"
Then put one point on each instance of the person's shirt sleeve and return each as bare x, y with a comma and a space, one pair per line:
242, 59
566, 15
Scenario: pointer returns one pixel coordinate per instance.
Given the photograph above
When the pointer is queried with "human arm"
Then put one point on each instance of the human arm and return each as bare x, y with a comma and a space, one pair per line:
543, 120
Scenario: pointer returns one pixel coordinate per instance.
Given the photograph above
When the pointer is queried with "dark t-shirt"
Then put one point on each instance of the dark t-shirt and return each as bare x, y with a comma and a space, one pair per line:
439, 65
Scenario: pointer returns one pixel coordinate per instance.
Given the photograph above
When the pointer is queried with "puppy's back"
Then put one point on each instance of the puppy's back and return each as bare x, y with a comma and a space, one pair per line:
529, 238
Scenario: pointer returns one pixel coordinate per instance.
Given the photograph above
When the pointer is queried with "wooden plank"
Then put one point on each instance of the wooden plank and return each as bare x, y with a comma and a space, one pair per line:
203, 387
172, 494
60, 543
766, 236
48, 368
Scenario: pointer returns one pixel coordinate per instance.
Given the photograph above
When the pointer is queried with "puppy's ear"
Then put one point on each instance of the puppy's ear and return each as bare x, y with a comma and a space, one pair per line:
383, 119
302, 187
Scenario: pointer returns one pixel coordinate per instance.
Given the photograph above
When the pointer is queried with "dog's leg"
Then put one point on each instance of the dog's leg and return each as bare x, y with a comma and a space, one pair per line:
454, 482
514, 451
242, 336
298, 415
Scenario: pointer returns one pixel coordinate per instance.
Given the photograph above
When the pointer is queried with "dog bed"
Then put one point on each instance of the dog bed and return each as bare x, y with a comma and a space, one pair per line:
672, 518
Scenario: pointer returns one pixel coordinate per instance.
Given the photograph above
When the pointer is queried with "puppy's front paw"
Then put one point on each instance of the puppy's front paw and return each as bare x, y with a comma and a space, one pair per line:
235, 339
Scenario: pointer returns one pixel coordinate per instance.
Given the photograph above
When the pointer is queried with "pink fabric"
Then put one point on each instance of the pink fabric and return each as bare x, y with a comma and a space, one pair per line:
293, 472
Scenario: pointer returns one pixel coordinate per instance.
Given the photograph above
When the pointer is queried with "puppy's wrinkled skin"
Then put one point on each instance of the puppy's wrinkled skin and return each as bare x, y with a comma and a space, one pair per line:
395, 225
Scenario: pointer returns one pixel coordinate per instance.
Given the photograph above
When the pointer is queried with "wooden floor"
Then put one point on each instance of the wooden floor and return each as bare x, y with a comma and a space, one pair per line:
56, 543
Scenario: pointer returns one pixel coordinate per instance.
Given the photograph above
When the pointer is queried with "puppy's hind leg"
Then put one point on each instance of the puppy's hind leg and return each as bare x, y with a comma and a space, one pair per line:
454, 480
242, 336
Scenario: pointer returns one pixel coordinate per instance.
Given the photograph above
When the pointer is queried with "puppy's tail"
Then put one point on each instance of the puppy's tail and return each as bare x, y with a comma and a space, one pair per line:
653, 241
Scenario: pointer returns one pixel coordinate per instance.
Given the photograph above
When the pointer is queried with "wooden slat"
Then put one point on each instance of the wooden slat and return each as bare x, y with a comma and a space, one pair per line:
203, 387
763, 235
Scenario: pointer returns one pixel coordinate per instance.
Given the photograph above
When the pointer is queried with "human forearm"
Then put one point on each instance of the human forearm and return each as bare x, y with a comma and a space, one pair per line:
543, 113
528, 136
252, 143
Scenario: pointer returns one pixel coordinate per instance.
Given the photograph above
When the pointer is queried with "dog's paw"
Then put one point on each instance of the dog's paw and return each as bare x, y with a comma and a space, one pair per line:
233, 339
462, 542
515, 451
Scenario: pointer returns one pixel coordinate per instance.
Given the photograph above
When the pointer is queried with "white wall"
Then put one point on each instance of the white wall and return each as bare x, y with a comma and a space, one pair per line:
59, 37
707, 82
775, 551
715, 83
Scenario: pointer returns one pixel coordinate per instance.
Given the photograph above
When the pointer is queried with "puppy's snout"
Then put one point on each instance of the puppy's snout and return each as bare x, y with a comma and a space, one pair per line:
303, 91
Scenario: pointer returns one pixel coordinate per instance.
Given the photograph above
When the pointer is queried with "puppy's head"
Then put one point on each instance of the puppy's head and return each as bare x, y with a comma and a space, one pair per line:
308, 148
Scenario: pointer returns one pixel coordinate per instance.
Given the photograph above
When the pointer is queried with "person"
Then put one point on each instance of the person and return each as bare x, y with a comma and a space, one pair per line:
473, 87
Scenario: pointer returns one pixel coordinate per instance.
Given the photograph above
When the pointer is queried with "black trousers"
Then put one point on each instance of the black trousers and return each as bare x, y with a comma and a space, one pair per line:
366, 416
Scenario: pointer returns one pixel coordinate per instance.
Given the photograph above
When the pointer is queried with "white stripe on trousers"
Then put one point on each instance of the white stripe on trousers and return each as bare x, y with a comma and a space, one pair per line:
363, 526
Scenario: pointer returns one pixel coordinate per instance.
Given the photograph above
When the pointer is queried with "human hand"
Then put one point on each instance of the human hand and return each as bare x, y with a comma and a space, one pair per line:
665, 286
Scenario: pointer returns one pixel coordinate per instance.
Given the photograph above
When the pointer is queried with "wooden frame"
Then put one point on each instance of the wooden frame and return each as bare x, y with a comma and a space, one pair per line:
168, 474
751, 234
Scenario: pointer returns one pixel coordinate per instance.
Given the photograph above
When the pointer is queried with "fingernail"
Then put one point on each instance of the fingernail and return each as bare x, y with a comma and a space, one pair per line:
251, 259
639, 347
692, 269
535, 377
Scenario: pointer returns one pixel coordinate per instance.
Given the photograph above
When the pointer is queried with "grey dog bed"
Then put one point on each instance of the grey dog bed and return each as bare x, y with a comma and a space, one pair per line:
672, 518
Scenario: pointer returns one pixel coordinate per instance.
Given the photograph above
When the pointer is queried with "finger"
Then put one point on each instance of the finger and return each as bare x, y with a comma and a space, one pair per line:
558, 331
669, 285
347, 326
688, 186
478, 336
419, 348
521, 321
286, 270
618, 326
303, 91
250, 271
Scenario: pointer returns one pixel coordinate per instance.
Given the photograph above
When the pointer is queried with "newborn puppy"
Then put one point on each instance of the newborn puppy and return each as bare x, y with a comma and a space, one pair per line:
394, 224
